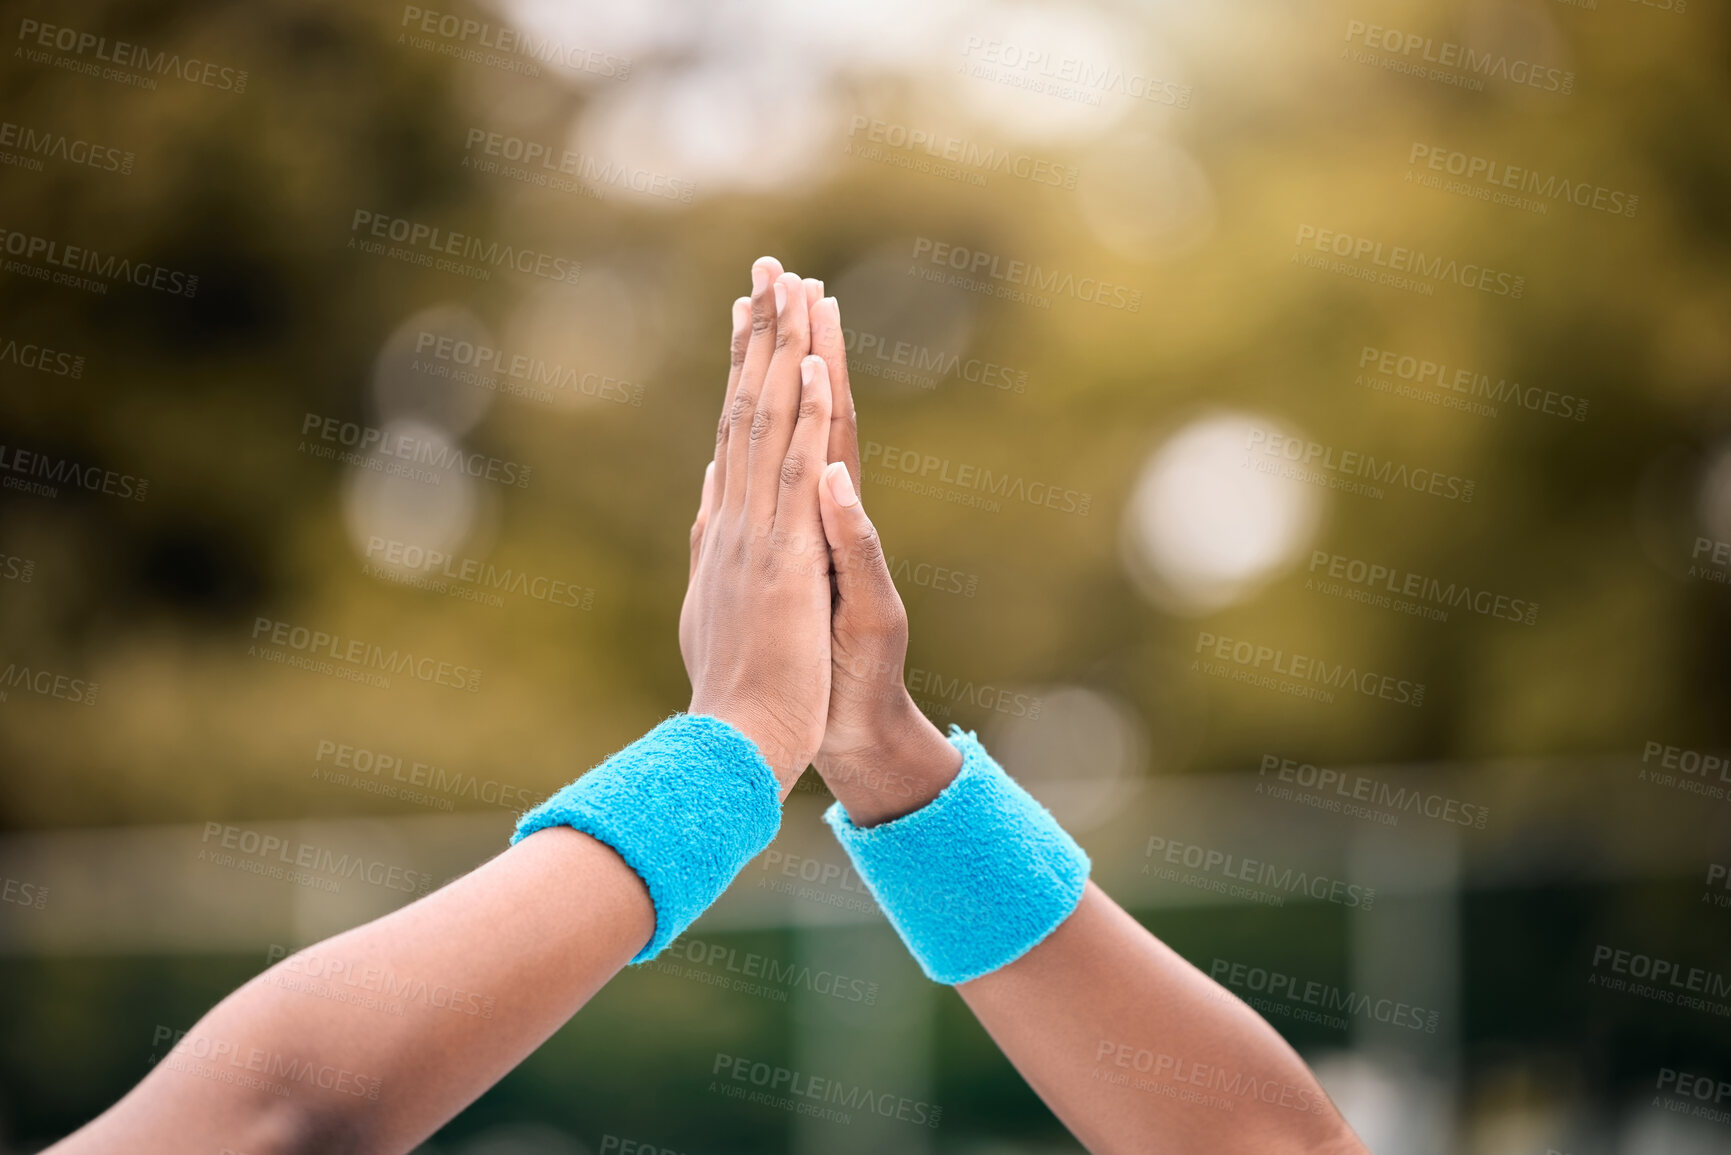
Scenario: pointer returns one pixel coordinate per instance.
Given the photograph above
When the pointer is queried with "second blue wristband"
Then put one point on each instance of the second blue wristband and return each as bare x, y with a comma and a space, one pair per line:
974, 879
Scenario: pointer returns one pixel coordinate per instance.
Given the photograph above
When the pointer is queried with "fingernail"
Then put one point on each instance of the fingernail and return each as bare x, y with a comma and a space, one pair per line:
841, 486
819, 285
780, 297
759, 278
808, 368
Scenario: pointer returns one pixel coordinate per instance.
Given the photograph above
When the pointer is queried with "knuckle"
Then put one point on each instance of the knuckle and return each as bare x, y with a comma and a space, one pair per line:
809, 409
869, 548
743, 406
762, 422
795, 470
762, 321
887, 619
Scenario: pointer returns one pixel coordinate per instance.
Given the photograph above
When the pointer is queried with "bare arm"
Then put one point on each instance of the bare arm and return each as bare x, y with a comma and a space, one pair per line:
488, 967
1129, 1044
371, 1040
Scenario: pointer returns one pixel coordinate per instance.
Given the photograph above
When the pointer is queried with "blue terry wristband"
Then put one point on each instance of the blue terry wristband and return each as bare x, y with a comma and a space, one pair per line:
974, 879
686, 806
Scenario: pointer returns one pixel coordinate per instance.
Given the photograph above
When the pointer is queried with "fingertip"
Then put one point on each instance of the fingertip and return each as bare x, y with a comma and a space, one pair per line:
840, 485
812, 371
763, 271
826, 316
741, 313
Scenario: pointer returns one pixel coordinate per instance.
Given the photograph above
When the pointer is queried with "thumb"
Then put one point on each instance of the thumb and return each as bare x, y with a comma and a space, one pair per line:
865, 592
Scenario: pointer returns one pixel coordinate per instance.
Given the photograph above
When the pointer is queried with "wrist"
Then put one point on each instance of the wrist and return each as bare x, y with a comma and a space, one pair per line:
771, 740
904, 763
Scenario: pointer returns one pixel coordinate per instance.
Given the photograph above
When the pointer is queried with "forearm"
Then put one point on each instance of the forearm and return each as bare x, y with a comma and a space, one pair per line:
1126, 1041
463, 985
1122, 1038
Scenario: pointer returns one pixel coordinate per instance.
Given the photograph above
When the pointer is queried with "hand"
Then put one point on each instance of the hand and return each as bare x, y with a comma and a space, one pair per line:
880, 756
754, 629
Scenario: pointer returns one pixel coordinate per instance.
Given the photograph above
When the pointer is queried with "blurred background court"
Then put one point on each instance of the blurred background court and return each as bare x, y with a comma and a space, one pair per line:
1299, 434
